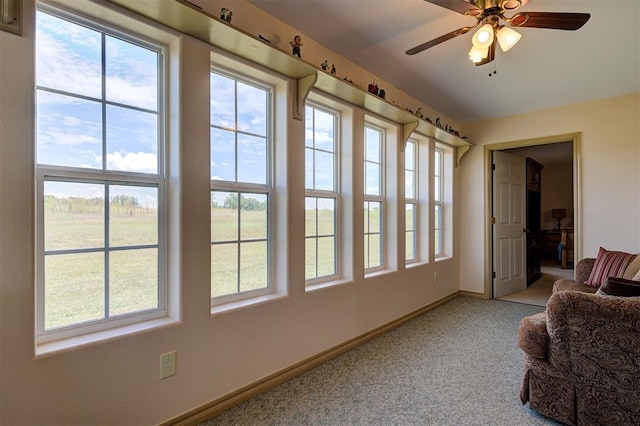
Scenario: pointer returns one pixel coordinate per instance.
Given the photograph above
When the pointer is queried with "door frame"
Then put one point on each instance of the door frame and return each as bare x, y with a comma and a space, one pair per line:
575, 138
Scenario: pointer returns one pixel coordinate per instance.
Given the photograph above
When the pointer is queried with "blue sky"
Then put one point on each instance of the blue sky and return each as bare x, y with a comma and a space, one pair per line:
320, 140
242, 108
70, 128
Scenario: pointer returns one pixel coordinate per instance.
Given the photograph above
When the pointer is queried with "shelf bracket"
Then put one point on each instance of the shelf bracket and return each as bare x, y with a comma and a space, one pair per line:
301, 90
460, 151
11, 16
407, 130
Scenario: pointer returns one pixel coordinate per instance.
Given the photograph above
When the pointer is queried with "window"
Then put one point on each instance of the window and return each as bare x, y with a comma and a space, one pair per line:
373, 199
241, 188
100, 167
443, 200
438, 199
321, 201
411, 201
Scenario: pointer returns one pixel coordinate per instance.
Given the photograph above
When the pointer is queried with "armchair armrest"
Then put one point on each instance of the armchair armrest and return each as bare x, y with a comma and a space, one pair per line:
583, 269
533, 338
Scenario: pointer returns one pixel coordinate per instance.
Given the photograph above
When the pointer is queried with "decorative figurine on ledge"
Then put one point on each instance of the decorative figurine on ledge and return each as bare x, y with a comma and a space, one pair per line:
333, 69
325, 65
350, 81
296, 43
226, 14
373, 88
263, 38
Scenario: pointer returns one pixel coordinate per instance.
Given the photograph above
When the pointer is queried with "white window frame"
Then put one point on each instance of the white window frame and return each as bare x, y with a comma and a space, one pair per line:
80, 334
413, 201
375, 198
444, 200
312, 193
243, 187
438, 202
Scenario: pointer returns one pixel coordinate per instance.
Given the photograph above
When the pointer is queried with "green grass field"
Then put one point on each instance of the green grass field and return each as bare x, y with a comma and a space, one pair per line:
75, 283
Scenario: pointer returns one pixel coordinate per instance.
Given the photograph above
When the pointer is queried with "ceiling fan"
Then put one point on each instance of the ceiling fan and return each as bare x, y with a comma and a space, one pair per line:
489, 14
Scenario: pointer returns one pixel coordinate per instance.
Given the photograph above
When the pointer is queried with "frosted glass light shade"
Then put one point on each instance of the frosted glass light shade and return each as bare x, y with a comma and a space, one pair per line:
476, 54
483, 37
507, 38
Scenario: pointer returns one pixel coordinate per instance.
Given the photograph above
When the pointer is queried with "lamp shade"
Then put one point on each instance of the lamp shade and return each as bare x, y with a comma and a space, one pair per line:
507, 38
558, 213
483, 38
477, 54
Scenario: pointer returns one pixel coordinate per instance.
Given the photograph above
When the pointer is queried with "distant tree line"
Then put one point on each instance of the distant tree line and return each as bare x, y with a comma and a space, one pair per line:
119, 204
246, 203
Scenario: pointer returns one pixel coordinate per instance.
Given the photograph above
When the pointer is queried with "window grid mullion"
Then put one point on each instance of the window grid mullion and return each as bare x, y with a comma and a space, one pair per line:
103, 91
235, 135
317, 240
239, 239
107, 254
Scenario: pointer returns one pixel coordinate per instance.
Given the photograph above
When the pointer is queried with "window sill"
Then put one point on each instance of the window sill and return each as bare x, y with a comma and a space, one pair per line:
416, 264
47, 349
246, 303
378, 273
443, 258
319, 286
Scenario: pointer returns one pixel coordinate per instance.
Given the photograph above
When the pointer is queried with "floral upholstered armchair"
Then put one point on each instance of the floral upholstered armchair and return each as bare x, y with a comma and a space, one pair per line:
582, 359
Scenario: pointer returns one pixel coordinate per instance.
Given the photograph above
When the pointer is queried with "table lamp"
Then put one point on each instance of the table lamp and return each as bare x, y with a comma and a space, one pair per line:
558, 214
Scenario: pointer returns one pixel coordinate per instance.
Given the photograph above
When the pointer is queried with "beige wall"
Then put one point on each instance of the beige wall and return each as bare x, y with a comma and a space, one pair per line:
557, 193
609, 166
117, 382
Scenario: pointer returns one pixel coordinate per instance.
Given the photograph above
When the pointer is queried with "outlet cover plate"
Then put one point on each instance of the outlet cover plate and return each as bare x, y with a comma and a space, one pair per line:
167, 364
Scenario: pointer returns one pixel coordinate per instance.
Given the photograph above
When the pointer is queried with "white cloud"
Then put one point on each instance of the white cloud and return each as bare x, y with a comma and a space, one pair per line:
66, 138
128, 92
144, 162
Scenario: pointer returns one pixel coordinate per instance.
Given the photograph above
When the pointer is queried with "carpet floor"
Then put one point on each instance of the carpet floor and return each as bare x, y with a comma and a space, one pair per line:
455, 365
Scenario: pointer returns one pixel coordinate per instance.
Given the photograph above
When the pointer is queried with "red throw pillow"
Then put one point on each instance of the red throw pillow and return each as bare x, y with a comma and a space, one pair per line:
608, 264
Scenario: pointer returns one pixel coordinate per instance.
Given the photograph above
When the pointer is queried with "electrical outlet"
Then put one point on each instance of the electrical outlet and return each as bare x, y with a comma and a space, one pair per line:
435, 277
167, 364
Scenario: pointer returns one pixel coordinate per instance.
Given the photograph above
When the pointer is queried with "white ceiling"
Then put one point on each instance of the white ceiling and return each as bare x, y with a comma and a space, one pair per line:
546, 68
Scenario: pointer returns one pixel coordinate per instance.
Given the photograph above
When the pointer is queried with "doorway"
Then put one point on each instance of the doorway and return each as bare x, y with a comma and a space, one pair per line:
560, 157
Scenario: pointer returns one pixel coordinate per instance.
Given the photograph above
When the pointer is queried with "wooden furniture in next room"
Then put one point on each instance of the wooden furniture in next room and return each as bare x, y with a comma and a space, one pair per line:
566, 239
550, 242
534, 219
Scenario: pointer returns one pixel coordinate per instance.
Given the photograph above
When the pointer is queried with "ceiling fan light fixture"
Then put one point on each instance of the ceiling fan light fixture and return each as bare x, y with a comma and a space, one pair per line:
483, 38
507, 38
477, 54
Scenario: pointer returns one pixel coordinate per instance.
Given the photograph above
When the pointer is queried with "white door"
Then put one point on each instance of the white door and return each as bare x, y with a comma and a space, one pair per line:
509, 229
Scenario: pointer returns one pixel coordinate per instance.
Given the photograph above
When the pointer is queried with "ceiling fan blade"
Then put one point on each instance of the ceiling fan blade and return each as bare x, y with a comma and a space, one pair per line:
459, 6
551, 20
438, 40
490, 57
